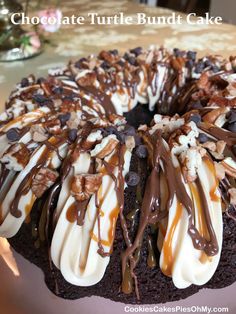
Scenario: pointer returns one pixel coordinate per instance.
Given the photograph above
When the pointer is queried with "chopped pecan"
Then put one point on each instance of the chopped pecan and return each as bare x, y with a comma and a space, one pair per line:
130, 142
117, 119
210, 145
230, 166
84, 185
53, 126
16, 157
91, 140
87, 79
220, 146
214, 114
220, 171
106, 147
38, 133
43, 180
107, 56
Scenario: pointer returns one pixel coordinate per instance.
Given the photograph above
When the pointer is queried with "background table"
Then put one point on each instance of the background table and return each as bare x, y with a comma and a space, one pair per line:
28, 293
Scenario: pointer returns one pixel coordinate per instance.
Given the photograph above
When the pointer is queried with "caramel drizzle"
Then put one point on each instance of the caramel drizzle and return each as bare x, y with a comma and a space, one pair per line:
168, 258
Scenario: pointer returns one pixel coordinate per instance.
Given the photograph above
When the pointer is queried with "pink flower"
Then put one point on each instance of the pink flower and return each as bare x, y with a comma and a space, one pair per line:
50, 19
34, 40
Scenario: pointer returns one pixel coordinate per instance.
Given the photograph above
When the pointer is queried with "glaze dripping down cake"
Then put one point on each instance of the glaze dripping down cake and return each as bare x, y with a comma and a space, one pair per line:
118, 175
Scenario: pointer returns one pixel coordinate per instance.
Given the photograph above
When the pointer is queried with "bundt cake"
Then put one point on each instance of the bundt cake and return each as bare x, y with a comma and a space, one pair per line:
118, 175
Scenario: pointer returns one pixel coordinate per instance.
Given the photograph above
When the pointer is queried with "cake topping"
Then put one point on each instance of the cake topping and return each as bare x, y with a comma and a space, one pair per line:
84, 185
43, 180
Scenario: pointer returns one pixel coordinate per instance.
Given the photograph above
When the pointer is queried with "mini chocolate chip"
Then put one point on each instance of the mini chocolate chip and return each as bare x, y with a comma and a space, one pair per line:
208, 63
137, 51
132, 178
58, 90
129, 130
196, 105
202, 138
13, 135
195, 118
121, 63
40, 80
138, 140
189, 64
72, 135
177, 52
24, 82
39, 98
132, 60
114, 52
126, 56
191, 55
120, 136
199, 67
110, 130
141, 151
232, 127
64, 118
215, 69
231, 116
105, 65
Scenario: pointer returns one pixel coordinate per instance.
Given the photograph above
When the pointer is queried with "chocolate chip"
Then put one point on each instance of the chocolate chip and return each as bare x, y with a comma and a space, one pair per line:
189, 64
202, 138
195, 118
191, 55
196, 105
137, 51
208, 63
121, 63
132, 60
105, 65
177, 52
39, 98
232, 127
13, 135
215, 69
141, 151
129, 130
231, 116
110, 130
40, 80
72, 135
64, 118
114, 52
199, 67
58, 90
24, 82
132, 178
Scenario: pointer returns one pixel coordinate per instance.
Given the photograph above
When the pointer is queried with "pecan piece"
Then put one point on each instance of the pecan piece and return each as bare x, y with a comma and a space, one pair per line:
85, 185
106, 147
16, 157
43, 180
38, 133
87, 79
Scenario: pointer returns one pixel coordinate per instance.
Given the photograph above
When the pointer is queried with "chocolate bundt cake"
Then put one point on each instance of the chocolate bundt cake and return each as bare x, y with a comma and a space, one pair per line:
118, 175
